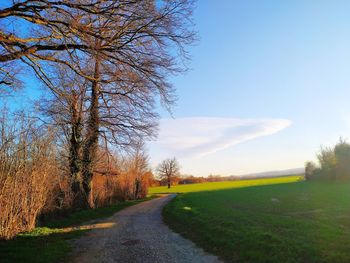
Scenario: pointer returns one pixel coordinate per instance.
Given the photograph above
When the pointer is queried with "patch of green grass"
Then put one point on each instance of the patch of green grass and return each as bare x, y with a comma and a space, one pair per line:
52, 243
185, 188
41, 245
297, 222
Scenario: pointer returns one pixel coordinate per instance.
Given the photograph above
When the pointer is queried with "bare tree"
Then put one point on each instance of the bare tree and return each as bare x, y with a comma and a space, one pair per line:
67, 109
125, 50
53, 29
120, 30
168, 169
135, 52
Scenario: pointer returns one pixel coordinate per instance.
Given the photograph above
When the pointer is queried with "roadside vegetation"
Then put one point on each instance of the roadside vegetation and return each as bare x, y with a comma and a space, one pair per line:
35, 183
294, 222
52, 241
333, 163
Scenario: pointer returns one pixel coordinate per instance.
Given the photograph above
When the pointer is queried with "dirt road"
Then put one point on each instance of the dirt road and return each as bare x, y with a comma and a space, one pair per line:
137, 234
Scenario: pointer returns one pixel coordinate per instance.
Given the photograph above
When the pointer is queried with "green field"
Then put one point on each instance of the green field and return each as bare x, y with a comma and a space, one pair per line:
295, 222
185, 188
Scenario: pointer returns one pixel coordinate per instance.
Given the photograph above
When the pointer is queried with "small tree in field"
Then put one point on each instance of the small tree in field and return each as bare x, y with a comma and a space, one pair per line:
168, 169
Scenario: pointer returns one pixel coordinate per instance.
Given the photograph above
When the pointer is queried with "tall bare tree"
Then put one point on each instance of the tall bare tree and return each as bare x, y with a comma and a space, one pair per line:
135, 52
168, 169
67, 109
125, 49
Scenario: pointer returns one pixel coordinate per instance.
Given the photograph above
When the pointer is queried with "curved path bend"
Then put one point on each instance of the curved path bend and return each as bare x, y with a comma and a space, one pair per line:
137, 234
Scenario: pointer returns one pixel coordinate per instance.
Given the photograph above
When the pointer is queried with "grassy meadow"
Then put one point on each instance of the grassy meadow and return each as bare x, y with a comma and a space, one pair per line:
294, 222
185, 188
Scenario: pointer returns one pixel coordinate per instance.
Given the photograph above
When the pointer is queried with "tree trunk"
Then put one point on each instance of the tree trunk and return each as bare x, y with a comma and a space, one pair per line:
91, 145
137, 188
75, 154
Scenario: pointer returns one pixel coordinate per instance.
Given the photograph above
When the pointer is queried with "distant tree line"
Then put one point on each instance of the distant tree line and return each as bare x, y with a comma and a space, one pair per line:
190, 179
333, 163
176, 178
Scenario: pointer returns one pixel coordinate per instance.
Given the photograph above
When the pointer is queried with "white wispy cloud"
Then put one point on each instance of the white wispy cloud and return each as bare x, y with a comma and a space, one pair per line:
200, 136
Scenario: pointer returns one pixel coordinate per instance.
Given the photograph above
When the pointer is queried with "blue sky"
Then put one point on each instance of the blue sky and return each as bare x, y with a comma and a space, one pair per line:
271, 77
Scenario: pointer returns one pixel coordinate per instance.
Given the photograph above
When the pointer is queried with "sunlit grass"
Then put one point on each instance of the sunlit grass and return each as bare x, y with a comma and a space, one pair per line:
224, 185
294, 222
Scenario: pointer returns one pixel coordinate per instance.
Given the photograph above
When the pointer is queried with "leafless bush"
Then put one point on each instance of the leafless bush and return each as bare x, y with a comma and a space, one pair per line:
105, 190
27, 166
133, 186
118, 179
60, 197
134, 179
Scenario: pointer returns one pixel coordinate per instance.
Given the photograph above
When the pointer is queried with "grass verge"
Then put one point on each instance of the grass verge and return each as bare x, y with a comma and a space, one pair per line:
51, 243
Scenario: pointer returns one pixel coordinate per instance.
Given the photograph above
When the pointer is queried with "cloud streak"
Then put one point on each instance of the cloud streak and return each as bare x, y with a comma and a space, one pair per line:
201, 136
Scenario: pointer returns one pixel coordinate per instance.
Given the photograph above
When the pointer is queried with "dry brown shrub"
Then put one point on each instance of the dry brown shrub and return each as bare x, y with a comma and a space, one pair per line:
119, 179
126, 184
27, 163
105, 190
134, 185
60, 197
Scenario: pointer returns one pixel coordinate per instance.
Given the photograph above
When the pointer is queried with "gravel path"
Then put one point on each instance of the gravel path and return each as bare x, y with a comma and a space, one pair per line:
137, 234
